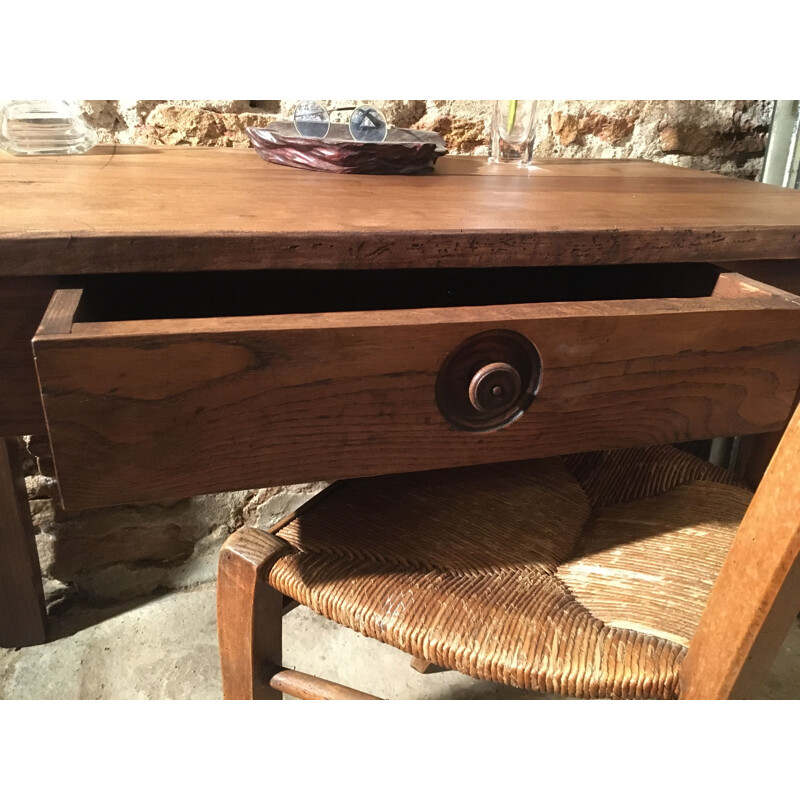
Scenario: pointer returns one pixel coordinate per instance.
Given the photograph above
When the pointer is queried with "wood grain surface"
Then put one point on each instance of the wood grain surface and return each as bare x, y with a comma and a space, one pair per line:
149, 409
22, 304
22, 612
310, 687
123, 209
781, 274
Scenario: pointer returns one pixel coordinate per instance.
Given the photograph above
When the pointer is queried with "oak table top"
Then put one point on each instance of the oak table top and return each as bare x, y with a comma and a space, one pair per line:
128, 209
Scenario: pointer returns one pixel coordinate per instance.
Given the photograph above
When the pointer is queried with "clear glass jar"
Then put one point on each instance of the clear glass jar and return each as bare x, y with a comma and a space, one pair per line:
44, 127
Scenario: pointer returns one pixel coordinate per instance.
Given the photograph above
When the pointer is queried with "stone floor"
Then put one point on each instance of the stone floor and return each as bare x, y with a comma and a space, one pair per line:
166, 648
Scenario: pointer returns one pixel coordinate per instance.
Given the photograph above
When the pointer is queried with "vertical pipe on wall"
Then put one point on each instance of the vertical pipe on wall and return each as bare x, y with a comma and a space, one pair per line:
782, 156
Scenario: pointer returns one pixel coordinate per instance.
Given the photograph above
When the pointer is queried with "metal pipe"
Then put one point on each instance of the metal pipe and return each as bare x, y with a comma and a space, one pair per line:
782, 156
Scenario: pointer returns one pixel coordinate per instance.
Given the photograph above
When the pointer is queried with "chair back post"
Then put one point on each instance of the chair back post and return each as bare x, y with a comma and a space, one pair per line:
757, 594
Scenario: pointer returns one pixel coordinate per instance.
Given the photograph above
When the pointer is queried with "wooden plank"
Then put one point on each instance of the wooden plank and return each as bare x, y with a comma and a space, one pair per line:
123, 209
170, 408
784, 274
60, 312
732, 284
757, 594
22, 304
22, 612
755, 452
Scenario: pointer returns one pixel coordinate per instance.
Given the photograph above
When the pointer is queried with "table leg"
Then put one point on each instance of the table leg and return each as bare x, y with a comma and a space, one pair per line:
22, 611
755, 453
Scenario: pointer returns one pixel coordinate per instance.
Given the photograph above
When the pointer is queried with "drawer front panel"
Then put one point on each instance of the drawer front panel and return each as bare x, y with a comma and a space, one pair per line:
169, 408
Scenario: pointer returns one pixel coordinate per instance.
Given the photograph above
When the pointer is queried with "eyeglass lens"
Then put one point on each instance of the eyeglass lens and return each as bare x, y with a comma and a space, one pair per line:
366, 124
311, 120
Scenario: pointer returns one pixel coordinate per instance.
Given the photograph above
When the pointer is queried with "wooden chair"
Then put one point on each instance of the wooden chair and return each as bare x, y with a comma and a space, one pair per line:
629, 574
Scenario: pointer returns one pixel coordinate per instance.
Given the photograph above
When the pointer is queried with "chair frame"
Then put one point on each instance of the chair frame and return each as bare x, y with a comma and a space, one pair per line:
249, 620
749, 612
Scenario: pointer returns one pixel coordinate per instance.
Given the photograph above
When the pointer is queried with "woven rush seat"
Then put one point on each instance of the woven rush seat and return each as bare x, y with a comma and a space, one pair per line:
582, 575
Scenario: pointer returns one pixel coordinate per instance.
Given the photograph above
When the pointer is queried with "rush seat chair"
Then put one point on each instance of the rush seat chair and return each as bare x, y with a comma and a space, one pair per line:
637, 573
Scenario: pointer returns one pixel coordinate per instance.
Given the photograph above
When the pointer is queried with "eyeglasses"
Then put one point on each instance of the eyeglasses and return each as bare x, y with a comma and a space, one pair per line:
313, 121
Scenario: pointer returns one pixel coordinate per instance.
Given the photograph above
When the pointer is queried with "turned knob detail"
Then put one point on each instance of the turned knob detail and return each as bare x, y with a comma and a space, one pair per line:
488, 381
495, 387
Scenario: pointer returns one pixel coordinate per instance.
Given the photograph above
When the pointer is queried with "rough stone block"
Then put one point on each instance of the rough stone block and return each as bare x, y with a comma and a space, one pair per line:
188, 125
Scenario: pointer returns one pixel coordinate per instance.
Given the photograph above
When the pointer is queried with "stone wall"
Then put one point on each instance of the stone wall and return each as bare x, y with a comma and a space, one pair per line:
129, 551
106, 554
727, 136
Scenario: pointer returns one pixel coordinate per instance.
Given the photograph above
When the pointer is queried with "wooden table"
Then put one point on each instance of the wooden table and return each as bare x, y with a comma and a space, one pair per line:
254, 324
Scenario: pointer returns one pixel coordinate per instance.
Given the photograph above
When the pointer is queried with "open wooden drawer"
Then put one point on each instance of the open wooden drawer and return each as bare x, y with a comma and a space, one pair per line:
167, 386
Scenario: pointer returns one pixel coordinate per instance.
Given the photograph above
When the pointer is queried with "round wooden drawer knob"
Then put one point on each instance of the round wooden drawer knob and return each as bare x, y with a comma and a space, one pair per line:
488, 380
495, 387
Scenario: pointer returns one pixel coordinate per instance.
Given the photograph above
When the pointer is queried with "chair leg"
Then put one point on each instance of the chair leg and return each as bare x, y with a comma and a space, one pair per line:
426, 667
249, 613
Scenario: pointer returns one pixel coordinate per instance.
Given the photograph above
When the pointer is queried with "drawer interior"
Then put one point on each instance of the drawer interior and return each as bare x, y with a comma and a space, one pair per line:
110, 298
